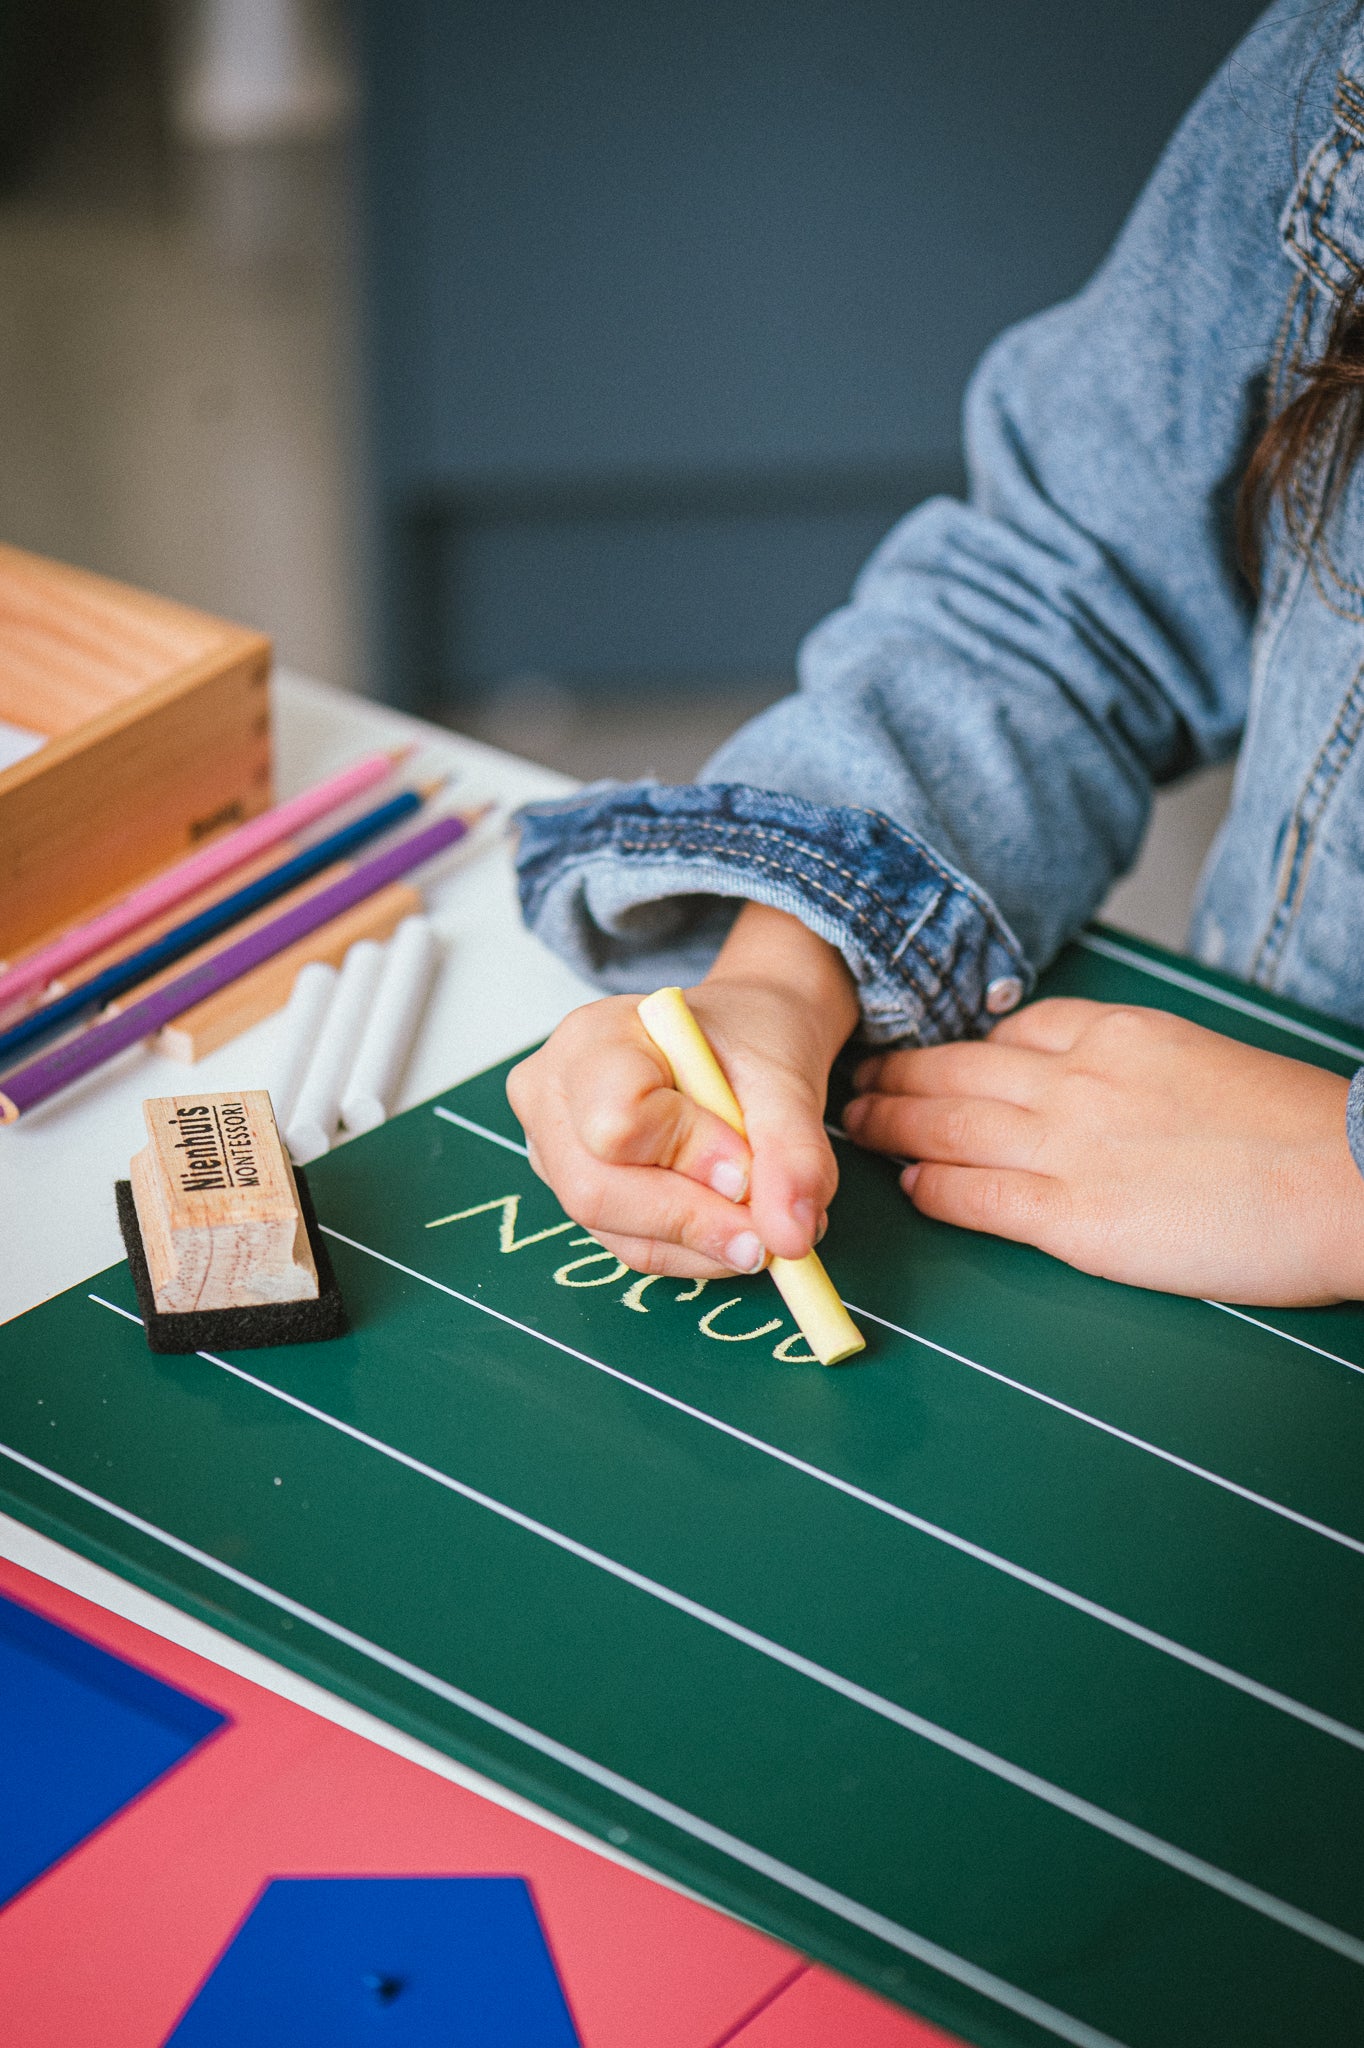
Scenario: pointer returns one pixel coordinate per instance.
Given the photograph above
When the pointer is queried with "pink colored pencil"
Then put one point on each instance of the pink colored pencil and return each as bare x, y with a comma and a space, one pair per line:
174, 884
24, 1087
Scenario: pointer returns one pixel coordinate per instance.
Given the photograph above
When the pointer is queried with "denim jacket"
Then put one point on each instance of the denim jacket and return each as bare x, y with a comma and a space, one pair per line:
969, 759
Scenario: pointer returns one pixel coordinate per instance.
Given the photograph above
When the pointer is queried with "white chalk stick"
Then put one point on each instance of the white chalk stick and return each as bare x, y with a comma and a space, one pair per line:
312, 1125
404, 985
300, 1022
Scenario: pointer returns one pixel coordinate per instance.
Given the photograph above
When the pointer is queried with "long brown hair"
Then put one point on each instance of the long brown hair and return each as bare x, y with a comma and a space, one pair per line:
1302, 459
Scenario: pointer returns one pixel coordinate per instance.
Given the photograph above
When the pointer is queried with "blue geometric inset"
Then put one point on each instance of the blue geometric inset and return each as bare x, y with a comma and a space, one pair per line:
81, 1733
410, 1962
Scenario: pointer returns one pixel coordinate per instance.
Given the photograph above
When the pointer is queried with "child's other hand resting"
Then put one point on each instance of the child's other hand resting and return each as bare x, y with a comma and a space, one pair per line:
1131, 1144
667, 1187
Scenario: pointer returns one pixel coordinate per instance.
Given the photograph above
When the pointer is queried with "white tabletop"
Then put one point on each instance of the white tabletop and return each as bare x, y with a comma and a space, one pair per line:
497, 990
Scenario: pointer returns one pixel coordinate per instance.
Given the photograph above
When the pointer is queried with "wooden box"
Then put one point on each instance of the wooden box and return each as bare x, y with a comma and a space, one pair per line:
155, 726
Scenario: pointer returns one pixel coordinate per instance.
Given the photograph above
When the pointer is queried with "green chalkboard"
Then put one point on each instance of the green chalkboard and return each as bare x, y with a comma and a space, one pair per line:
1016, 1669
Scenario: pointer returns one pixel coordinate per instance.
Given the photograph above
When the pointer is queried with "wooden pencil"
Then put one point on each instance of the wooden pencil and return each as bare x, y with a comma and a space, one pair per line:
25, 1087
267, 988
184, 938
35, 970
156, 927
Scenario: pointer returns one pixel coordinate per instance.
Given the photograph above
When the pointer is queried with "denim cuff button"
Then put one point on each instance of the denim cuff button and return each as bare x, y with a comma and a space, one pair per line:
1005, 992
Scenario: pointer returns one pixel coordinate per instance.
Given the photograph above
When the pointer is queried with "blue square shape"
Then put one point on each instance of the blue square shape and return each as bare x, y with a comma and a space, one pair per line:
410, 1962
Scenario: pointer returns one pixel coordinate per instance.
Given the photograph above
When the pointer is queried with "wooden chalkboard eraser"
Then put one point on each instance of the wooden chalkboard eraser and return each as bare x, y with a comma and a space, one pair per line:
220, 1234
218, 1207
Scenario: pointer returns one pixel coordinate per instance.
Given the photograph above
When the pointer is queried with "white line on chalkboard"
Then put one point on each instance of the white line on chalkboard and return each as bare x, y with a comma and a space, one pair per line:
1060, 1797
1260, 1500
1094, 942
1139, 1443
480, 1130
958, 1968
1270, 1329
1328, 1724
1287, 1335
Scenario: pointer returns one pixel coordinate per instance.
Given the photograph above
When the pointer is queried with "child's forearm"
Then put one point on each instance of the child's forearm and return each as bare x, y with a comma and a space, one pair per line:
773, 948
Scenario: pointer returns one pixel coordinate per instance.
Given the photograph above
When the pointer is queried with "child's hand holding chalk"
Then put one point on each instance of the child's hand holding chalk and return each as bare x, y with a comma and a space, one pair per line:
666, 1184
804, 1285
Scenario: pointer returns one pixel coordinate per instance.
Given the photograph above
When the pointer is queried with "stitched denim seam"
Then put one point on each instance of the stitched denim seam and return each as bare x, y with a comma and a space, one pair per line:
732, 828
959, 884
922, 978
1343, 151
1308, 215
1304, 249
1320, 550
1349, 102
1278, 358
916, 848
862, 923
1346, 152
1325, 773
894, 947
1300, 207
1323, 235
1269, 632
603, 834
695, 847
1305, 530
1304, 519
1352, 614
911, 932
1322, 276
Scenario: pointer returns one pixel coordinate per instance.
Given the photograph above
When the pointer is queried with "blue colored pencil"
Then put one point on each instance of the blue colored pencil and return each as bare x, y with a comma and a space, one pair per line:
173, 945
25, 1087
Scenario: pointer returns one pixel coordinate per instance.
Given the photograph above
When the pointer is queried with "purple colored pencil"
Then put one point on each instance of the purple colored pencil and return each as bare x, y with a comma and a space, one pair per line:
26, 1086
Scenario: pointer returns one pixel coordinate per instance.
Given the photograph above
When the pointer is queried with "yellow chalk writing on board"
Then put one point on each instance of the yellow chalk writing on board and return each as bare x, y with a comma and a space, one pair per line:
804, 1285
618, 1267
507, 1209
708, 1322
507, 1240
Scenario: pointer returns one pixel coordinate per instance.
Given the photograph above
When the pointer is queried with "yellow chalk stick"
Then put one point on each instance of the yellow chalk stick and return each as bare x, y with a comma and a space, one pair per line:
804, 1285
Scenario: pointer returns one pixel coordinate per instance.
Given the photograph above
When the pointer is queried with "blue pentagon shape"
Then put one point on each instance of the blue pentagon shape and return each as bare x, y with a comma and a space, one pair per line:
412, 1962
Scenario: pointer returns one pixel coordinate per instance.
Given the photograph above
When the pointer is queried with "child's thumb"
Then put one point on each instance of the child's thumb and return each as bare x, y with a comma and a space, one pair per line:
794, 1174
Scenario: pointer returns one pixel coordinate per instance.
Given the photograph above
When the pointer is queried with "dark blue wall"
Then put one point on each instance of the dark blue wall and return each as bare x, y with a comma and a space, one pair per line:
671, 308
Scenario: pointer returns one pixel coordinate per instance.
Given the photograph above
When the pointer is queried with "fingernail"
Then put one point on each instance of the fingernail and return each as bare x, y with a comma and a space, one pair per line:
854, 1112
909, 1176
745, 1253
730, 1179
805, 1215
823, 1227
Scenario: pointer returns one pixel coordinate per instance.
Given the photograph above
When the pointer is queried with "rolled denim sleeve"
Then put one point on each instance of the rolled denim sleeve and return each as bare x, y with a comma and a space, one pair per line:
638, 885
969, 760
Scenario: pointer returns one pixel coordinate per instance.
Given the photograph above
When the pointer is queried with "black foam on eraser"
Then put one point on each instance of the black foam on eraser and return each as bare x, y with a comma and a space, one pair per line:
236, 1329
